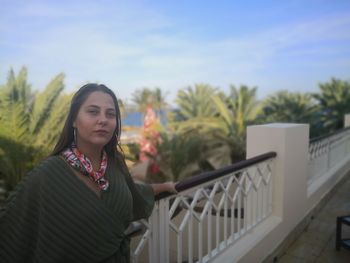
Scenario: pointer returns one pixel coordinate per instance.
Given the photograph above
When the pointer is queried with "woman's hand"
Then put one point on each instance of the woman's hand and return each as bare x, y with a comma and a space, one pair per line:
164, 187
170, 187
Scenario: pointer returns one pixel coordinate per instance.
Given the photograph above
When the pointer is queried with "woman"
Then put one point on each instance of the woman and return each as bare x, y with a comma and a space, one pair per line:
76, 205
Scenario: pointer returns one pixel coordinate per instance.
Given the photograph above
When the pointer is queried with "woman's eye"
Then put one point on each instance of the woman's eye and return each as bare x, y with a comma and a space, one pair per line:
111, 114
93, 112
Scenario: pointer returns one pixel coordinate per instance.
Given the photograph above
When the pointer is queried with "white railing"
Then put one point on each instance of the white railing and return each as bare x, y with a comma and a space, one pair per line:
326, 152
211, 212
243, 212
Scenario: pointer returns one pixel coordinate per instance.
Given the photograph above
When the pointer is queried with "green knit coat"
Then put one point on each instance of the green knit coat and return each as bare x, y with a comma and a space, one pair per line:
52, 216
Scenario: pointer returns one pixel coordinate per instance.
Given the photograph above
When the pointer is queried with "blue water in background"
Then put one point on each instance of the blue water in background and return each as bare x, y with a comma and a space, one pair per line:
132, 119
136, 119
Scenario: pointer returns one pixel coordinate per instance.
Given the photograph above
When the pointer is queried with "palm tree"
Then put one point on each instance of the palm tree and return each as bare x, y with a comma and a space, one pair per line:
15, 105
194, 109
147, 97
234, 112
142, 99
159, 103
243, 104
195, 102
15, 160
183, 151
49, 132
334, 102
177, 158
30, 123
223, 127
289, 107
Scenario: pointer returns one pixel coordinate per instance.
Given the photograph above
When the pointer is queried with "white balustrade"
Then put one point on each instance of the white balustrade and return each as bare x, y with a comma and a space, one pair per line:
198, 223
326, 153
245, 213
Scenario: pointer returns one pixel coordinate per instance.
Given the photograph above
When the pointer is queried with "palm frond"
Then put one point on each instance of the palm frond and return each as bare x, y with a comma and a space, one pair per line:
44, 102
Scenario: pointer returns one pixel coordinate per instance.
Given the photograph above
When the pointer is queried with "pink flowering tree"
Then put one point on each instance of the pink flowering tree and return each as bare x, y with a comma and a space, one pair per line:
149, 142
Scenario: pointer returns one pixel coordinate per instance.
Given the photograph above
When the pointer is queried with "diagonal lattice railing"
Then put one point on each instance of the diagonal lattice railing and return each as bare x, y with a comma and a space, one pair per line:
326, 151
211, 212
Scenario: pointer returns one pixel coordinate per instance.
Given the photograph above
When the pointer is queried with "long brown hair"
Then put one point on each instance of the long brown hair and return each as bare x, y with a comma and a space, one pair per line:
112, 148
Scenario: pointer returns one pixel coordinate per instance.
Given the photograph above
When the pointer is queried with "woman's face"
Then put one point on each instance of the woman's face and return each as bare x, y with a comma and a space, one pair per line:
95, 122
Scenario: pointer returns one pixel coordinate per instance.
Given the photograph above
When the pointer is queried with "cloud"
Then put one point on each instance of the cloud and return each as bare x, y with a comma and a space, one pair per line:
134, 45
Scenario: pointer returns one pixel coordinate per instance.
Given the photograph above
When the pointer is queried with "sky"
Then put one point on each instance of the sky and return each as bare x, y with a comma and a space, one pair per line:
273, 45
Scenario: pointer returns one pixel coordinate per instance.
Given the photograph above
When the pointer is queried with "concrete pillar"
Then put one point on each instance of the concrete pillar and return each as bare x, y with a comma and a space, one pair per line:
347, 120
291, 143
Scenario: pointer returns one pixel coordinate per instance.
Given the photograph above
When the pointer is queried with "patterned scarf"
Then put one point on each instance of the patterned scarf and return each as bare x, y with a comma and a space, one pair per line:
82, 164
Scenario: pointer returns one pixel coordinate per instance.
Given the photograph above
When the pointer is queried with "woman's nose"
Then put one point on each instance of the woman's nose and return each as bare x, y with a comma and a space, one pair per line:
102, 119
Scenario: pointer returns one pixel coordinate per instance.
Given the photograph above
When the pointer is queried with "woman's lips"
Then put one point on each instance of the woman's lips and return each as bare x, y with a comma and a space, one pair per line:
102, 132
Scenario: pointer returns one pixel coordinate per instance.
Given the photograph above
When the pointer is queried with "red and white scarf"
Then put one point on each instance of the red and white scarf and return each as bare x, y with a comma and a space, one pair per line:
82, 164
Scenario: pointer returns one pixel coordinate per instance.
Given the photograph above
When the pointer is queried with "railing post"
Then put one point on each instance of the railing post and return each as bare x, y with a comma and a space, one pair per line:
154, 240
346, 120
163, 235
347, 124
329, 154
159, 250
